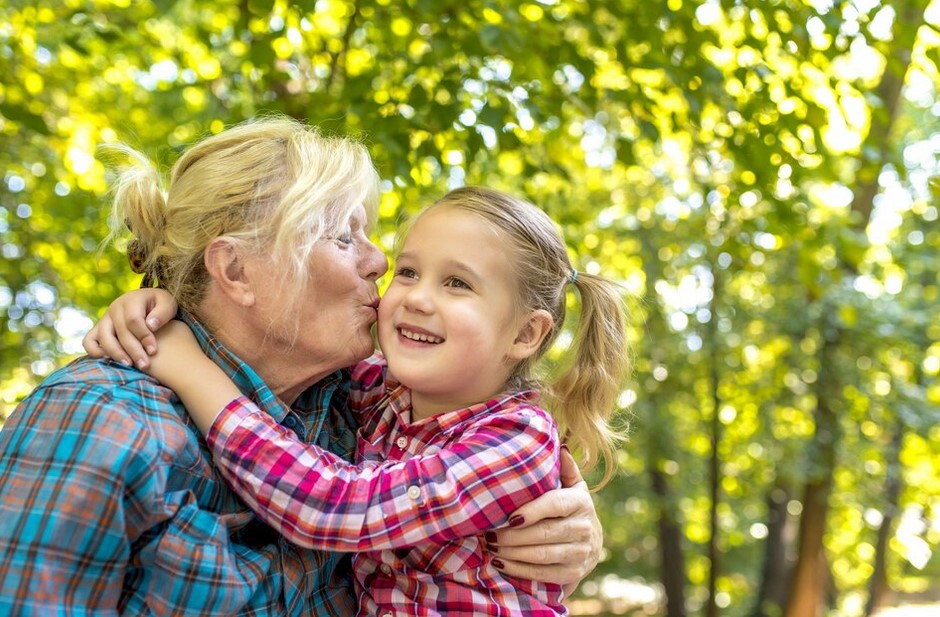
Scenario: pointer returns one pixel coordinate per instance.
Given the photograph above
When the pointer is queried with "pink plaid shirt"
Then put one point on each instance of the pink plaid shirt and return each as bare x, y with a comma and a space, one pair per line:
414, 507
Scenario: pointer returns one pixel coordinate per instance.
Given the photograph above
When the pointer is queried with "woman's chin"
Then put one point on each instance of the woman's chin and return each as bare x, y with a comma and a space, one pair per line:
363, 351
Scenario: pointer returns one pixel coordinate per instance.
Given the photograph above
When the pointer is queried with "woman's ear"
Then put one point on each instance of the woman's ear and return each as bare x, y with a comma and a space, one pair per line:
535, 327
226, 266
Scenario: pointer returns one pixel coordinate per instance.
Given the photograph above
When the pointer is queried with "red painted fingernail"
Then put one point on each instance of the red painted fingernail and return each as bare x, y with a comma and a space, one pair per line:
499, 565
515, 521
490, 537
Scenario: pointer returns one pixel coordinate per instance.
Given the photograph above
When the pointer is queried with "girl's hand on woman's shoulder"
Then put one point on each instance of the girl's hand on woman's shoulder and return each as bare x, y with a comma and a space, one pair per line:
126, 330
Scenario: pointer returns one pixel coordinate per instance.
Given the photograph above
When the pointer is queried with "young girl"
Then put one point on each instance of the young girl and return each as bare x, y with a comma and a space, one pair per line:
452, 439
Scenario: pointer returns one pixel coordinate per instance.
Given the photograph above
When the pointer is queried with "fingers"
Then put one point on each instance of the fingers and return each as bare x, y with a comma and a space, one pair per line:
136, 339
555, 538
558, 503
560, 572
562, 563
570, 473
126, 331
545, 555
162, 313
554, 531
117, 336
90, 343
102, 342
138, 315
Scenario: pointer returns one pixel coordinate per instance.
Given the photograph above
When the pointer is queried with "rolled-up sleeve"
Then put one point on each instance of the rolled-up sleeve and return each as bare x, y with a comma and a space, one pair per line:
320, 501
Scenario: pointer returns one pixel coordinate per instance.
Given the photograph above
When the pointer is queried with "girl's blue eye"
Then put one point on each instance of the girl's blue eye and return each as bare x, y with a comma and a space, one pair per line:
407, 273
458, 283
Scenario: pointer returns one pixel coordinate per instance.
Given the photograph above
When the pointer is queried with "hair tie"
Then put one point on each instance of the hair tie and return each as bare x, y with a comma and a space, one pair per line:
573, 279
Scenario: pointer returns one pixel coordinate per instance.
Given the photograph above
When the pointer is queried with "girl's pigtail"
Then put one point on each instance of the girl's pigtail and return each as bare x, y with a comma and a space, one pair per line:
586, 392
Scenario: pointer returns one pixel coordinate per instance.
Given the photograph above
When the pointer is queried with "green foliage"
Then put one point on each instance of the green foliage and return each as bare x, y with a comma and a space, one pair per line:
713, 157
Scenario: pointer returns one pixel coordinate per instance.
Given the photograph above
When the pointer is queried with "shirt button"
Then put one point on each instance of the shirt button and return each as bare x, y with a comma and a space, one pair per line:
401, 442
290, 421
414, 492
385, 568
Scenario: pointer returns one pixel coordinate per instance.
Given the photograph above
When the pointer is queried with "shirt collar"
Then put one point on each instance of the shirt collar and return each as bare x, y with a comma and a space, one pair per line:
245, 378
450, 421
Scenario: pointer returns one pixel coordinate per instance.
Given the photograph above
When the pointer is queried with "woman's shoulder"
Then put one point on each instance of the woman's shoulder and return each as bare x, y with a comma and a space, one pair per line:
100, 382
113, 411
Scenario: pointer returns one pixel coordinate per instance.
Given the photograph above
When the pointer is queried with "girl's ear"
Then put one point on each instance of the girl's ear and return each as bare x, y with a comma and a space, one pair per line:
535, 327
226, 266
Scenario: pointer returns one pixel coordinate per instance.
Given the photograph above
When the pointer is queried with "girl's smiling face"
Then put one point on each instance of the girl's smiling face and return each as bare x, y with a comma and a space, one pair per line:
449, 321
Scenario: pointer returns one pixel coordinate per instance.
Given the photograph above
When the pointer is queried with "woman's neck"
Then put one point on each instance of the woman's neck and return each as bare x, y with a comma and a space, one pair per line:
286, 375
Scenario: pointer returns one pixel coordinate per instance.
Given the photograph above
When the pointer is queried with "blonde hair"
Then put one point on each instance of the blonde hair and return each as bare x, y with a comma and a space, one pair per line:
583, 397
274, 185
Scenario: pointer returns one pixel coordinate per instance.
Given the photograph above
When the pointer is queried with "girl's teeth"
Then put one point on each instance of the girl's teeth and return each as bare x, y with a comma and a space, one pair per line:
424, 338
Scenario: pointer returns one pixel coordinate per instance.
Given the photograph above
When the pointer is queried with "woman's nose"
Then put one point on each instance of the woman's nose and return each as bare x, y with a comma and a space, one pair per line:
374, 262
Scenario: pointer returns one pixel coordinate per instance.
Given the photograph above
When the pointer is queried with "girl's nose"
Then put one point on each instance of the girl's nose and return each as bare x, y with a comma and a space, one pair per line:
418, 298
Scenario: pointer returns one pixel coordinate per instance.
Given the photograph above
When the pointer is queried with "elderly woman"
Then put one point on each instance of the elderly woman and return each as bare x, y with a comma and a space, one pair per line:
111, 503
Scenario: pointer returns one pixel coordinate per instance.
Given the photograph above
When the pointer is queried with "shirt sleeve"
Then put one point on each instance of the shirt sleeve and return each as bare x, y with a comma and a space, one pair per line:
88, 522
76, 483
320, 501
367, 383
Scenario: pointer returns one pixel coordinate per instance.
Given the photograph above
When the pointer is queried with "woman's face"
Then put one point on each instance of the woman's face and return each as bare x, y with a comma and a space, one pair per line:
342, 299
340, 304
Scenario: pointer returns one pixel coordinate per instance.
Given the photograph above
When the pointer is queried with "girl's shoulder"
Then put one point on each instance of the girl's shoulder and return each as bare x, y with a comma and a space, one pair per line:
370, 372
520, 409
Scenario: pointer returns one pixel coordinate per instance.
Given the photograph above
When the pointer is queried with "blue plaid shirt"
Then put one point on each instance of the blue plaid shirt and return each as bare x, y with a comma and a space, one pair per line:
110, 504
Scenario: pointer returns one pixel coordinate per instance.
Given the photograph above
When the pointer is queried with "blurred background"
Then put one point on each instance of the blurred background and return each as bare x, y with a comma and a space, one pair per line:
758, 175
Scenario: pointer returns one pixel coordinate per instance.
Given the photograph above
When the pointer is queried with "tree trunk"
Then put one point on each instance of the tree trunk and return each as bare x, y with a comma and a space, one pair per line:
775, 573
670, 547
878, 142
714, 554
672, 560
808, 585
910, 12
711, 610
878, 585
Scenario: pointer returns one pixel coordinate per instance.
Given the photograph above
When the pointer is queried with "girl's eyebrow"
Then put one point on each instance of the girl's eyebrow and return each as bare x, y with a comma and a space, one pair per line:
450, 263
462, 267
